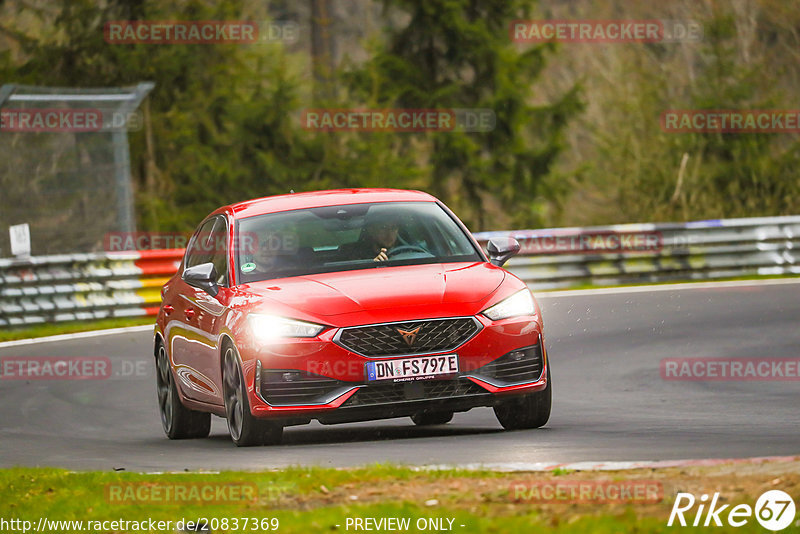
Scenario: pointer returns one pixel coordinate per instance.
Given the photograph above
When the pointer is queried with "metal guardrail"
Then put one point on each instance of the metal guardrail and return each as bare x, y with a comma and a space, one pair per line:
72, 287
702, 250
95, 286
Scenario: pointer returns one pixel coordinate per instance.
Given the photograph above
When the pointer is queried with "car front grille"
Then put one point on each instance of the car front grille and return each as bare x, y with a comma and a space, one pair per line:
408, 391
413, 337
522, 365
290, 387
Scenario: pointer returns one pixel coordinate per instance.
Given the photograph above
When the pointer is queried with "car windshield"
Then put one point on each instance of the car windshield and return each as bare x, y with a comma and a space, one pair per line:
348, 237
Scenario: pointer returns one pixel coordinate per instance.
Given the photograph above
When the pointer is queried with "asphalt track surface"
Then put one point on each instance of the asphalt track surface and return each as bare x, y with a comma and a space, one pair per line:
610, 402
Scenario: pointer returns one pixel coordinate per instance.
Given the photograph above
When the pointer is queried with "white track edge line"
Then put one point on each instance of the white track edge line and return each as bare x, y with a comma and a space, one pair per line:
607, 465
539, 295
544, 294
78, 335
512, 467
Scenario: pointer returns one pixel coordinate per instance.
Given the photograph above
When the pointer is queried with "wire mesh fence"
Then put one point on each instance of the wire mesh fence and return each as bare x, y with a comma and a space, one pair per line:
65, 165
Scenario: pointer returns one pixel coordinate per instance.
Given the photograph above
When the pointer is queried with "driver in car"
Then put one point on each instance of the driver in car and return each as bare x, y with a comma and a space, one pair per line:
378, 236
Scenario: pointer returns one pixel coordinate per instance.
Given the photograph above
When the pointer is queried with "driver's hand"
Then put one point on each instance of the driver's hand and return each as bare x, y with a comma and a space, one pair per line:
381, 256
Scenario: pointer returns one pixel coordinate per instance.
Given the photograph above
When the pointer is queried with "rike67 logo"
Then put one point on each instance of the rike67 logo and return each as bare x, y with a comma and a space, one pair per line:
774, 510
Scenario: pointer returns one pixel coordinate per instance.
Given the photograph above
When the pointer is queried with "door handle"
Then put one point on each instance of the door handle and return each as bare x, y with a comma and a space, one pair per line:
168, 309
189, 313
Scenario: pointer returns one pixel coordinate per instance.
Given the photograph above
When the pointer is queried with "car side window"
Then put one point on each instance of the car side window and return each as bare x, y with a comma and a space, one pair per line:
219, 256
210, 244
196, 253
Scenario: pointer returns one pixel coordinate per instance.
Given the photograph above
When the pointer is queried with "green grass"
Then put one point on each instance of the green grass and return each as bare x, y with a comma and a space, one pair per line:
316, 500
559, 471
69, 327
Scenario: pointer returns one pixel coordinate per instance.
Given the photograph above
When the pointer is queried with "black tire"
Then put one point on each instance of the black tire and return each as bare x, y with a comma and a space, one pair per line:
245, 430
432, 418
178, 421
526, 411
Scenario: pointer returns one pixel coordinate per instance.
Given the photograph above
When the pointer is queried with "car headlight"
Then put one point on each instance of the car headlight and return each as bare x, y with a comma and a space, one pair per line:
269, 327
520, 303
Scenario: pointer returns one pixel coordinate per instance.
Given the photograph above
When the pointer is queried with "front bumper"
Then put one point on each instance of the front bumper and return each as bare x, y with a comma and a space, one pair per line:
319, 379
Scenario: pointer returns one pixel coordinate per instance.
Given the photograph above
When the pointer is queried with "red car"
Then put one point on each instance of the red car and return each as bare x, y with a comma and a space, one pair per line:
341, 306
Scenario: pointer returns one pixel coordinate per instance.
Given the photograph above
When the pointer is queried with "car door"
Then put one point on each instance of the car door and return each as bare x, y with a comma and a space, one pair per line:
195, 339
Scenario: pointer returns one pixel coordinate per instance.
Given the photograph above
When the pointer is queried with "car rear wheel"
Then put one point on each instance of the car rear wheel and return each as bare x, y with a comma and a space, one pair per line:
245, 430
526, 411
179, 422
431, 418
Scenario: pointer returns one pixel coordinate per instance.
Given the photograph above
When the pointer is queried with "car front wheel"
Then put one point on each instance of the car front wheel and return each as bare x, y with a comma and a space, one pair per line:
526, 411
245, 430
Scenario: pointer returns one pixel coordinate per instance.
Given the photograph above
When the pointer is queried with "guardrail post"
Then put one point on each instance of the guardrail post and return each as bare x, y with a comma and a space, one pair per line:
5, 92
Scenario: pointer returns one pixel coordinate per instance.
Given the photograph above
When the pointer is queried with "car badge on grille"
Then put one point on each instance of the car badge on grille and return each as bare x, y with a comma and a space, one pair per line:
409, 336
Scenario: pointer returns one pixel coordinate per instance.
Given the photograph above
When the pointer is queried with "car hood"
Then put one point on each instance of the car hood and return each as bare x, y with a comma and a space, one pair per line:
410, 286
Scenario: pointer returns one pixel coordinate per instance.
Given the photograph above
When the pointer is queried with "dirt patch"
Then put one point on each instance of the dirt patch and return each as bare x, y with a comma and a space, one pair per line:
559, 496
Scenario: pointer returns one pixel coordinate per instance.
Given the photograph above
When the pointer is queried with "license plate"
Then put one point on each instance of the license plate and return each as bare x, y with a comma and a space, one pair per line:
416, 368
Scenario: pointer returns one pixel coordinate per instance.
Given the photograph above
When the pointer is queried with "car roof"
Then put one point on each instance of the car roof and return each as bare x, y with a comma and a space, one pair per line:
315, 199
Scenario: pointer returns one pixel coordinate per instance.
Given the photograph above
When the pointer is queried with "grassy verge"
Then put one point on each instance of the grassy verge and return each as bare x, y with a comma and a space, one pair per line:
330, 500
70, 327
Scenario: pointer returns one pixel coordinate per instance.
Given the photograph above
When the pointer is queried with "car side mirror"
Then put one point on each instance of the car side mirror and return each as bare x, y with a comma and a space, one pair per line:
501, 248
203, 276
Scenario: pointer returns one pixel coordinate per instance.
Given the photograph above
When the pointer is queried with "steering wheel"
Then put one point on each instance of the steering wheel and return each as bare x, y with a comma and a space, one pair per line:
405, 248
